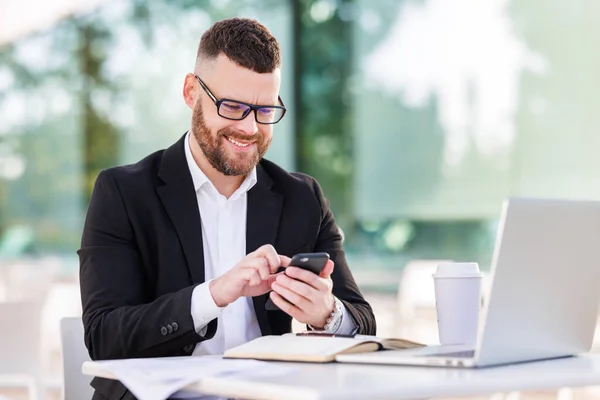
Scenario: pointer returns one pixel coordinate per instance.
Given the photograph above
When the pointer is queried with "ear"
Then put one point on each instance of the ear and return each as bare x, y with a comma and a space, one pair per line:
190, 90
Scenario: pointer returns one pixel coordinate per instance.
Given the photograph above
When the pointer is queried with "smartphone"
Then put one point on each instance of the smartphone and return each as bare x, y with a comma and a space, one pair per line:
313, 262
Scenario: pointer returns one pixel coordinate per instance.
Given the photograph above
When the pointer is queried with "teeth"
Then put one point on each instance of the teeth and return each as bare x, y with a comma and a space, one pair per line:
238, 143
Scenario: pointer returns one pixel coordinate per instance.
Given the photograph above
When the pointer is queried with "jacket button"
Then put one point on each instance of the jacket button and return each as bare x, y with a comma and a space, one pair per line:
189, 348
175, 326
169, 328
164, 331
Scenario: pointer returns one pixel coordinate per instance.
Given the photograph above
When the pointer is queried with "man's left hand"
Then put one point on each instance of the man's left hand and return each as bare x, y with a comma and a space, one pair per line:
304, 295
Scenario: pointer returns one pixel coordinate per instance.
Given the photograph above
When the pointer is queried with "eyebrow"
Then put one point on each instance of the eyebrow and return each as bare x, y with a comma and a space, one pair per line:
276, 103
279, 102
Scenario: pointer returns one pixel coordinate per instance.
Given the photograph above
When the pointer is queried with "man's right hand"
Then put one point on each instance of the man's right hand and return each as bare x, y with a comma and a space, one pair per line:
251, 277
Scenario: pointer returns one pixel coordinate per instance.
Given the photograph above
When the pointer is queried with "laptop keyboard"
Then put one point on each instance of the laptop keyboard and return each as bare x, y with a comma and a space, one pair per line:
458, 354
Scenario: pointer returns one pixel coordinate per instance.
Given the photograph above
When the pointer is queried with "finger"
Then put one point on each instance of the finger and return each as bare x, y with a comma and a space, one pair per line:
285, 260
252, 277
268, 252
253, 261
300, 302
307, 277
297, 287
286, 306
263, 270
259, 264
272, 278
328, 270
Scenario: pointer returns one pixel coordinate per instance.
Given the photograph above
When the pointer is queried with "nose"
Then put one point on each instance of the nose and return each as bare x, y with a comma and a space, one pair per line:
248, 125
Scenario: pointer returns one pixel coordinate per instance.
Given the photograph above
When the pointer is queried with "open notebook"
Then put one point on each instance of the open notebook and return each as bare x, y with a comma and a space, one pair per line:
318, 348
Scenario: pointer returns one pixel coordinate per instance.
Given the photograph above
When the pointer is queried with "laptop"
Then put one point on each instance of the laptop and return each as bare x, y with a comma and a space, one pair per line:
544, 296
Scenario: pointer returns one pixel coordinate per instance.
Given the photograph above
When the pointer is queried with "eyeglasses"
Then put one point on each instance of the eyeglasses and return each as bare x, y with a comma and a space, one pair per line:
238, 110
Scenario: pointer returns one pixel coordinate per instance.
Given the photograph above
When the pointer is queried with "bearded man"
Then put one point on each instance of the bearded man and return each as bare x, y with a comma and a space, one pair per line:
181, 250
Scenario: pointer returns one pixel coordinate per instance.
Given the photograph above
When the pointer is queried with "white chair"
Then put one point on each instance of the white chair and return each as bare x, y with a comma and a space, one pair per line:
75, 385
416, 316
63, 300
21, 361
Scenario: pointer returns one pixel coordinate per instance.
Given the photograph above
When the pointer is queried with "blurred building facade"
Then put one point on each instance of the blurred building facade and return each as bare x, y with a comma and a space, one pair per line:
417, 117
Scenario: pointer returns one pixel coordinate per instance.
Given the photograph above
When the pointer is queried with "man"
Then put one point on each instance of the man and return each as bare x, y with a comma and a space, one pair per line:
180, 251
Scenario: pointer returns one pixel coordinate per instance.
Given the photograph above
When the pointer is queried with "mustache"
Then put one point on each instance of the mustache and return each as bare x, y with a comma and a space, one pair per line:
235, 135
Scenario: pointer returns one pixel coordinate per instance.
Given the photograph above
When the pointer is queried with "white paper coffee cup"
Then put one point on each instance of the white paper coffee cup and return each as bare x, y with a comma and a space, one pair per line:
457, 299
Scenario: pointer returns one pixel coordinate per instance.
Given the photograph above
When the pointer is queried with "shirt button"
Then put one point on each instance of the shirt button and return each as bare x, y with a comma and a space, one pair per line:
175, 326
164, 331
169, 329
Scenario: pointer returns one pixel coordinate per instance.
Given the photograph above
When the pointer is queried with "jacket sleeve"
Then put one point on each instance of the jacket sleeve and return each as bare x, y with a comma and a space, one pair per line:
120, 315
344, 287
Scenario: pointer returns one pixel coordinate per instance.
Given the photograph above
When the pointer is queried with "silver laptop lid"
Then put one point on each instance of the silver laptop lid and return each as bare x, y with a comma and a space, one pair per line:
546, 282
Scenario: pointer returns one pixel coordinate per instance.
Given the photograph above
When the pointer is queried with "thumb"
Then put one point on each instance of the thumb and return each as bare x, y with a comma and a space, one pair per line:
327, 270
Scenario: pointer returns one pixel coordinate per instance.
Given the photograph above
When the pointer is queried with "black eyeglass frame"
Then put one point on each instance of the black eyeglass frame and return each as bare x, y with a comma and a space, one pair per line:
251, 107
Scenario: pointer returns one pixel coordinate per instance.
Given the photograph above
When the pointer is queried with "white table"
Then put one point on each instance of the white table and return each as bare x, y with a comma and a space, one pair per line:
352, 381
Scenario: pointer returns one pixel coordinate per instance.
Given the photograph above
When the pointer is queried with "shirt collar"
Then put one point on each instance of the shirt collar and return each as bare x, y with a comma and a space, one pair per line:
200, 179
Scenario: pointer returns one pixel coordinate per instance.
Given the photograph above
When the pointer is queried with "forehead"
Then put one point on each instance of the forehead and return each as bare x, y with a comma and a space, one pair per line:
230, 80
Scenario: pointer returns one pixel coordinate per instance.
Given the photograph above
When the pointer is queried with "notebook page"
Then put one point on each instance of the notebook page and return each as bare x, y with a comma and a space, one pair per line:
289, 345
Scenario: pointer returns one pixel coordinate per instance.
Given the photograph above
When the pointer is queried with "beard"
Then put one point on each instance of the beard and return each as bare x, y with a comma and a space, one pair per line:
215, 151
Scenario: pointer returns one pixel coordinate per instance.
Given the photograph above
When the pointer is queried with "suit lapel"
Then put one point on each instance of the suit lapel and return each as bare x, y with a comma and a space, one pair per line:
179, 199
262, 223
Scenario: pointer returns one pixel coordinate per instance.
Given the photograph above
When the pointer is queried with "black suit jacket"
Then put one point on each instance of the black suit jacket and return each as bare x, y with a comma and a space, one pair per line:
141, 256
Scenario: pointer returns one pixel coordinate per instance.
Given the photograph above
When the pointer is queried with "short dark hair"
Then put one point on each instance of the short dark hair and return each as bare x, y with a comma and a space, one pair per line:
245, 41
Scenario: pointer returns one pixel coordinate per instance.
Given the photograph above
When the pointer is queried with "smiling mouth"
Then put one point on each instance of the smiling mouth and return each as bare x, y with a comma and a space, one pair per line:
238, 143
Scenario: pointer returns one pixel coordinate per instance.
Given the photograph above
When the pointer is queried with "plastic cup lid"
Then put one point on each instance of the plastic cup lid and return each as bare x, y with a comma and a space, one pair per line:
458, 270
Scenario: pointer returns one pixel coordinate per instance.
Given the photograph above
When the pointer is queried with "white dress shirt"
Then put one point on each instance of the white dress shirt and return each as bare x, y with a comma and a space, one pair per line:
224, 242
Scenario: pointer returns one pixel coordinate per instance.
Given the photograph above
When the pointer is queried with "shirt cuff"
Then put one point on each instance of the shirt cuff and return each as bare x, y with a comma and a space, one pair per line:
203, 308
348, 325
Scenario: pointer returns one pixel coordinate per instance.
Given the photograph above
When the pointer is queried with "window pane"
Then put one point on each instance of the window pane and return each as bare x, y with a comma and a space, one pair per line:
459, 105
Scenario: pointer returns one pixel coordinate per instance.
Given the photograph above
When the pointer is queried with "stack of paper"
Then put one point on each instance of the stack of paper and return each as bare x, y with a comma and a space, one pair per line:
160, 378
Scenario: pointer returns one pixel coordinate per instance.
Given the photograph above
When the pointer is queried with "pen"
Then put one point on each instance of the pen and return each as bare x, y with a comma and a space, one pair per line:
324, 334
